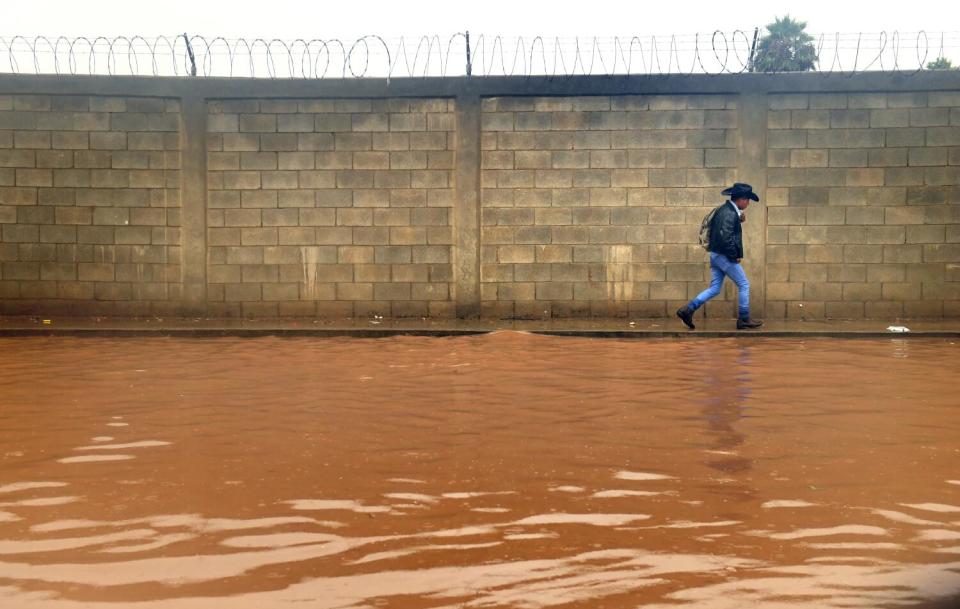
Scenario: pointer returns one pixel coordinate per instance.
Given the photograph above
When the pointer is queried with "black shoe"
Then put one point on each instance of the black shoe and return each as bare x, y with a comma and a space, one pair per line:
686, 316
746, 324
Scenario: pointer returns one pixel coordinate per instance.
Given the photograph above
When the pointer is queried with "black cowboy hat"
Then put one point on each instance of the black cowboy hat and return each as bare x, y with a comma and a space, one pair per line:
740, 190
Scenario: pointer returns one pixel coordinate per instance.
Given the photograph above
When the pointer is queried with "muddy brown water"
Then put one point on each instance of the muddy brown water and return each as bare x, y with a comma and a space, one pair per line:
504, 470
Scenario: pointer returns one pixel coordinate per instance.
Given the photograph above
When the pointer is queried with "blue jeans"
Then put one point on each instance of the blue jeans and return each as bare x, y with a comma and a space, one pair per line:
720, 267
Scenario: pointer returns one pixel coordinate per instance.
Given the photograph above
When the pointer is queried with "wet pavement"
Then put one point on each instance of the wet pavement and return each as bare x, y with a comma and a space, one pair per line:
505, 469
599, 327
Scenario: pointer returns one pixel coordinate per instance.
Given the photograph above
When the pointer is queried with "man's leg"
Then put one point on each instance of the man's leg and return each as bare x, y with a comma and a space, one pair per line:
739, 277
716, 281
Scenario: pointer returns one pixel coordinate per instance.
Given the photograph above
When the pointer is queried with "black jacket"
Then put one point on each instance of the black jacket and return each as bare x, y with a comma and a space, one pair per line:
725, 235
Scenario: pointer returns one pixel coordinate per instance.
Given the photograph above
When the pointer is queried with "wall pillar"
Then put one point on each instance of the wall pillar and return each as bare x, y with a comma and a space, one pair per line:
193, 204
466, 213
752, 169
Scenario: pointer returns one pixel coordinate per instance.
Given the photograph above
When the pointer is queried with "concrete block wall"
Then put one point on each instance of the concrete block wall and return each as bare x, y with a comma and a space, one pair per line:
863, 205
89, 205
323, 207
591, 205
506, 197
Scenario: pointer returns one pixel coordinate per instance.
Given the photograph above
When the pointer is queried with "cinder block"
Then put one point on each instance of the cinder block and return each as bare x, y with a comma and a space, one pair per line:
258, 123
70, 140
311, 142
436, 141
223, 123
300, 235
34, 177
862, 292
430, 179
911, 99
440, 159
926, 234
391, 141
786, 216
587, 140
295, 123
508, 217
258, 198
904, 215
929, 117
846, 138
794, 101
133, 235
887, 157
928, 195
941, 252
353, 254
864, 177
554, 291
235, 142
217, 276
927, 156
903, 253
259, 273
353, 141
847, 158
218, 161
825, 215
810, 119
703, 178
369, 235
808, 235
339, 235
864, 215
846, 234
496, 121
241, 180
889, 118
31, 139
867, 100
416, 159
584, 103
273, 142
258, 160
408, 122
944, 98
496, 159
532, 234
334, 160
279, 179
318, 179
148, 178
885, 234
777, 290
354, 217
850, 119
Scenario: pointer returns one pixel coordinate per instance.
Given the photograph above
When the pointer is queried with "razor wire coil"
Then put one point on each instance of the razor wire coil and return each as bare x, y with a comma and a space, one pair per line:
460, 54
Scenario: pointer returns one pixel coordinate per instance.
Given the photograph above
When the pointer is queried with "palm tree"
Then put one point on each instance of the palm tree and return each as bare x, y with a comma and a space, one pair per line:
785, 48
940, 63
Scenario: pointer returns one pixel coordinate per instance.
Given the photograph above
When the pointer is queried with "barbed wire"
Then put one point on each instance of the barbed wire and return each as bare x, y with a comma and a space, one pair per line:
459, 55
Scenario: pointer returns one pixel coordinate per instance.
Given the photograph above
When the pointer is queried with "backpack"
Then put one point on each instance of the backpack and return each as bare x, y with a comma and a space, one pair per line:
705, 229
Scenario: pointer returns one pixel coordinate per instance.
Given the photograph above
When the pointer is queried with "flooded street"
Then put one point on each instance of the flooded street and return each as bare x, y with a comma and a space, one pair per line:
503, 470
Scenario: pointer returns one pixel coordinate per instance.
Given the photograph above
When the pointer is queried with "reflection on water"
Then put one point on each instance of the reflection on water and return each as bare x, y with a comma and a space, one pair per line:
506, 470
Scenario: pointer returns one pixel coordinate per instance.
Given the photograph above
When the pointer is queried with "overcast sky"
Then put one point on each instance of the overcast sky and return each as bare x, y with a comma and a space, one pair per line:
288, 19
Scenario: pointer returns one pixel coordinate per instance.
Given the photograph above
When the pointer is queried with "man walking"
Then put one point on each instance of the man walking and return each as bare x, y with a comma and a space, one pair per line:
726, 252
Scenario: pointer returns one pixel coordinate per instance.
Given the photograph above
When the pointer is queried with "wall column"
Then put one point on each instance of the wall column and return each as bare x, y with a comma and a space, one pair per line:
466, 213
752, 169
193, 204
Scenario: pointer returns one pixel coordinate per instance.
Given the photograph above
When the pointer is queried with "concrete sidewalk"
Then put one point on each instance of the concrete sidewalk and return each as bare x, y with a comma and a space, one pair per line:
617, 328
